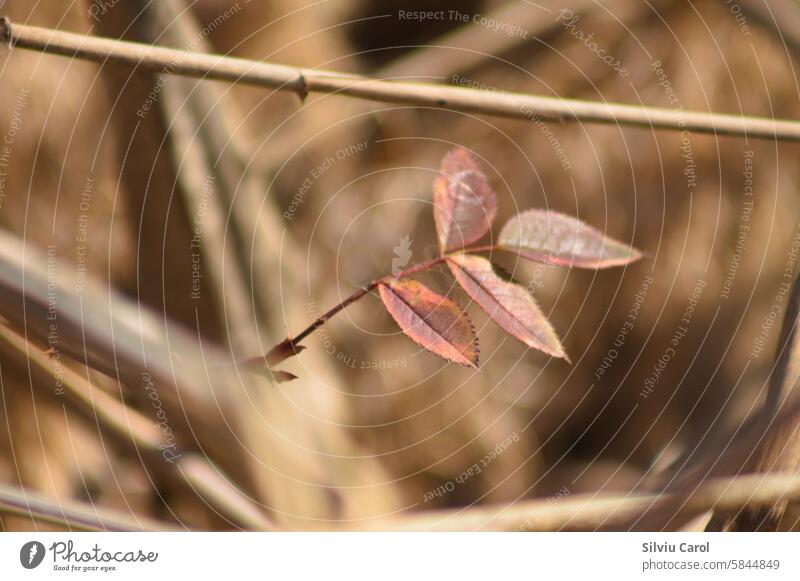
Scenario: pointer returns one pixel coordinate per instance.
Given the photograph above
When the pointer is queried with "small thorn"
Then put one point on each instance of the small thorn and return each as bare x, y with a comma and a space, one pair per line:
302, 90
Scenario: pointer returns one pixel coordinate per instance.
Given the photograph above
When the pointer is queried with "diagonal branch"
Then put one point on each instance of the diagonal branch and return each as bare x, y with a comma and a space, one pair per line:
71, 515
303, 81
131, 428
590, 512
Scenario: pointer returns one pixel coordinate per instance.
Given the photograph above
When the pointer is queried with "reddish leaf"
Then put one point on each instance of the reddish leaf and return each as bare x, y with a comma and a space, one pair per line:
464, 204
562, 240
432, 321
508, 304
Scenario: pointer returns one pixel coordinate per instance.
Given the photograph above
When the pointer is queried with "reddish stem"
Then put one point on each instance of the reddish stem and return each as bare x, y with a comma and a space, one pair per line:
324, 318
422, 266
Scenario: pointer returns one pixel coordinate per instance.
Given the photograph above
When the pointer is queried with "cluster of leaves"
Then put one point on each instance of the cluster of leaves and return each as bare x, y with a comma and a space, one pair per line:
464, 208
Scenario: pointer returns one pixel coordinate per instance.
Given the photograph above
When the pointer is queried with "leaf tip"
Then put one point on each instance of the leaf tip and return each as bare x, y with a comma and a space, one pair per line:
464, 204
551, 237
635, 254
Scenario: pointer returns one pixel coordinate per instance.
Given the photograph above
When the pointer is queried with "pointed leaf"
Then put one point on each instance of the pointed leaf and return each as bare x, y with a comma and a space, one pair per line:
257, 366
551, 237
508, 304
282, 376
432, 321
464, 204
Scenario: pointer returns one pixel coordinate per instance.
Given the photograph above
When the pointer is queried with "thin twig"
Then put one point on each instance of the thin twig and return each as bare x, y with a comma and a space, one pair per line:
360, 293
291, 343
303, 81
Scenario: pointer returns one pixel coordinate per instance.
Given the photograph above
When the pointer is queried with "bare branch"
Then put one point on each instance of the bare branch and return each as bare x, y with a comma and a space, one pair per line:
303, 81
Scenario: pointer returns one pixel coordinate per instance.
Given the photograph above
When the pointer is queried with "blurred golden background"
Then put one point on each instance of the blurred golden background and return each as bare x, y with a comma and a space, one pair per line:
238, 214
